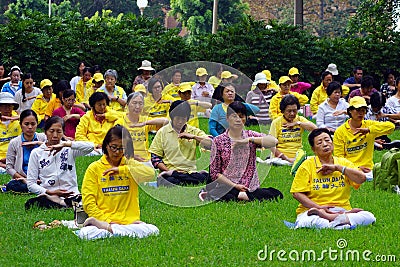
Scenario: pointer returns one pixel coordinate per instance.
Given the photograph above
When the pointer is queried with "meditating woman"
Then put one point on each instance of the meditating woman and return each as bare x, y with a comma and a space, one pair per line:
138, 126
20, 149
323, 185
288, 129
69, 113
94, 125
218, 122
116, 94
354, 140
27, 95
233, 161
53, 163
110, 192
333, 111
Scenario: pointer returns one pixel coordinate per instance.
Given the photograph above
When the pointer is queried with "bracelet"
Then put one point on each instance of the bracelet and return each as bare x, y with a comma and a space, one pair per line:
343, 169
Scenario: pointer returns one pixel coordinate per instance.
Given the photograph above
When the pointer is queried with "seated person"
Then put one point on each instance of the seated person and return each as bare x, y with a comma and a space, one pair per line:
261, 97
69, 113
116, 94
296, 86
173, 149
233, 161
15, 83
138, 126
394, 101
53, 163
202, 90
115, 212
55, 103
354, 140
9, 125
284, 84
196, 106
333, 111
94, 125
176, 82
39, 106
218, 123
288, 129
28, 93
322, 186
20, 149
366, 90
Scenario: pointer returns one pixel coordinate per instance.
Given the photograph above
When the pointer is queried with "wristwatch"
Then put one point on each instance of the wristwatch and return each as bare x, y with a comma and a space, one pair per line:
298, 123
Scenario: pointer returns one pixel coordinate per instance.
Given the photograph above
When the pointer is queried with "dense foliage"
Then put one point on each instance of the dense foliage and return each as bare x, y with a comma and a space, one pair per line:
52, 47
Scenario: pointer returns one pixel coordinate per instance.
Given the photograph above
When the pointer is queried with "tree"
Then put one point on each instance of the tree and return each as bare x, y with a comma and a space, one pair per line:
22, 7
376, 17
196, 15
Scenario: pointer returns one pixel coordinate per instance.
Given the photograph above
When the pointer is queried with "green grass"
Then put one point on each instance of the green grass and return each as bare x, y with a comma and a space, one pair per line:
216, 234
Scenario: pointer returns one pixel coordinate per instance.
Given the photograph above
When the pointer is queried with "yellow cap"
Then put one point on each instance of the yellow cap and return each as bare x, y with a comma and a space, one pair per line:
293, 71
267, 74
201, 72
284, 79
184, 87
358, 102
45, 82
98, 77
226, 74
140, 88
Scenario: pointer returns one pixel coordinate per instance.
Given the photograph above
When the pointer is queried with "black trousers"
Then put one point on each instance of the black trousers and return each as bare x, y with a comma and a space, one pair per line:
179, 178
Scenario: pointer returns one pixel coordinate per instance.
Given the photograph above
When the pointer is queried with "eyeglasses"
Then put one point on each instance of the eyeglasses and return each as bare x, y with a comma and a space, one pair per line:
70, 100
133, 103
116, 149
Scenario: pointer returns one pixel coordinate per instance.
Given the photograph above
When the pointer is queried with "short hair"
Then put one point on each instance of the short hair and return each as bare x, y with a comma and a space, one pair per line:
61, 86
67, 93
332, 87
179, 108
377, 100
119, 132
96, 97
86, 69
176, 71
27, 113
111, 72
316, 132
288, 100
134, 95
236, 107
324, 74
356, 69
53, 120
224, 85
152, 82
94, 69
367, 81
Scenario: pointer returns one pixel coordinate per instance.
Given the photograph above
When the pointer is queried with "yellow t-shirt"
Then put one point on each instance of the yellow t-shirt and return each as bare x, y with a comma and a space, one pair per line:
289, 140
178, 154
114, 198
40, 106
275, 111
8, 132
118, 91
158, 109
53, 104
359, 148
89, 129
139, 136
82, 91
172, 90
332, 189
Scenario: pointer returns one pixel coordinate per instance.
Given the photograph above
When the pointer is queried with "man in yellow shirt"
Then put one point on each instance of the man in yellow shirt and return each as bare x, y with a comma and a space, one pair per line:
354, 140
42, 100
284, 84
173, 149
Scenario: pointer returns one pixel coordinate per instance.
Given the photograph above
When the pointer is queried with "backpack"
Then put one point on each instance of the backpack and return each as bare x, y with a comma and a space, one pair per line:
387, 172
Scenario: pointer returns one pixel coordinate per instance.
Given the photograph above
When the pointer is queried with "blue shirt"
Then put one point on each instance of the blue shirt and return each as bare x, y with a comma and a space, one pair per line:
27, 152
11, 89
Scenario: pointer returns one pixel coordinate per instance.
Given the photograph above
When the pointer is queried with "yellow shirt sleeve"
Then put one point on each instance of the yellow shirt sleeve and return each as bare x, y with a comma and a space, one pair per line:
82, 128
274, 110
303, 99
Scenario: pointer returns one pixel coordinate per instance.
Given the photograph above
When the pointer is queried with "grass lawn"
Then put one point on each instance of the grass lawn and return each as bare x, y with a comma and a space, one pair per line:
214, 234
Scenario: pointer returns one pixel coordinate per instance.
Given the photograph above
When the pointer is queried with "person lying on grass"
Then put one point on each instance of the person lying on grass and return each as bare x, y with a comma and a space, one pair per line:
110, 190
354, 140
53, 163
173, 149
233, 161
323, 184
